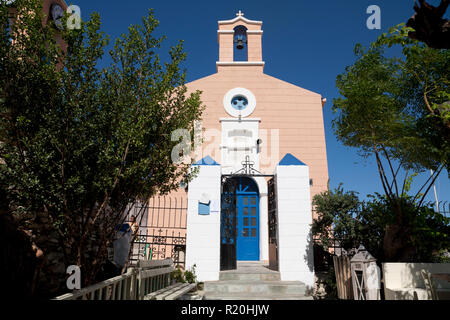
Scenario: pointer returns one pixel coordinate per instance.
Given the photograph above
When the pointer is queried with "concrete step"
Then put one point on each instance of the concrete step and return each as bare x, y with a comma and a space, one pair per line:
255, 287
244, 276
253, 296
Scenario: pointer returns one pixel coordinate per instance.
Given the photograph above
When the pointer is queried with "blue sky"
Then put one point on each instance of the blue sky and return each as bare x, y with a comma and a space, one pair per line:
307, 43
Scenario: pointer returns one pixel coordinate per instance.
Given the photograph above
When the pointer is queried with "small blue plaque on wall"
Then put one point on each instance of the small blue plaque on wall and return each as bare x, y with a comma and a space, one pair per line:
203, 208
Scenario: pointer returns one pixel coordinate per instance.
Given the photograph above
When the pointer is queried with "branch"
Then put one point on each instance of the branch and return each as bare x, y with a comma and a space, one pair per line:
394, 178
427, 103
426, 182
383, 176
435, 174
404, 181
396, 173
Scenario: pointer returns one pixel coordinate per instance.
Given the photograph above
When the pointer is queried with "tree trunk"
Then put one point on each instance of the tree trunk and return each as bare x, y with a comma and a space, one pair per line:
397, 245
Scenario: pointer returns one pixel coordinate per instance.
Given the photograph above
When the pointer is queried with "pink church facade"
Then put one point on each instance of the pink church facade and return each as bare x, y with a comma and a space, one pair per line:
295, 112
266, 138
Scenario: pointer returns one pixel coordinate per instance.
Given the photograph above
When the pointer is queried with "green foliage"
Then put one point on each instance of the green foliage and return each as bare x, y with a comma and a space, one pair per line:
425, 231
430, 234
341, 216
442, 256
330, 284
371, 113
424, 81
354, 223
395, 107
80, 142
190, 275
408, 182
177, 275
336, 210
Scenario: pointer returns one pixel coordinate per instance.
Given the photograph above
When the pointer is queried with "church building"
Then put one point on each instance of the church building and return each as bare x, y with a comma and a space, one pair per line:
263, 158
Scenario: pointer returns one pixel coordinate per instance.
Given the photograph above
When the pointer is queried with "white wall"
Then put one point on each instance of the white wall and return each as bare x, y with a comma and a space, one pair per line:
294, 224
203, 232
231, 127
401, 280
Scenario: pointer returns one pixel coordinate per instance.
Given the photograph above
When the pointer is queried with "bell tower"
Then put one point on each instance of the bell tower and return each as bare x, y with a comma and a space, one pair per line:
240, 42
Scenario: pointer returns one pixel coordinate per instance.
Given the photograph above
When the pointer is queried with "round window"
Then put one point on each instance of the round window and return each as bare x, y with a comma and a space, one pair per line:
239, 102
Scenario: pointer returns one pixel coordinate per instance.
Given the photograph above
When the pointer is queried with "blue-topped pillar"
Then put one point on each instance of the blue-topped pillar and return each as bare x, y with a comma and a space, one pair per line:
203, 221
295, 250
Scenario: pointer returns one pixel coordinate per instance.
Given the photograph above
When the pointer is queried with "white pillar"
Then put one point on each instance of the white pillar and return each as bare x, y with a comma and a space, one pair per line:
295, 256
263, 219
203, 231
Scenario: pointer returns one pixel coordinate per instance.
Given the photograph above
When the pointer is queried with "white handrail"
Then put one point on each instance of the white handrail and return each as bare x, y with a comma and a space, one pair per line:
133, 285
121, 282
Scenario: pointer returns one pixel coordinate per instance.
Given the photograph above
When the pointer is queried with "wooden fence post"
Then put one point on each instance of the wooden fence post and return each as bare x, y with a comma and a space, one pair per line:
342, 271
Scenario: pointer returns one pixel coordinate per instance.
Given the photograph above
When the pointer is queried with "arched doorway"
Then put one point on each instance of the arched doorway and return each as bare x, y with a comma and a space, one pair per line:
240, 225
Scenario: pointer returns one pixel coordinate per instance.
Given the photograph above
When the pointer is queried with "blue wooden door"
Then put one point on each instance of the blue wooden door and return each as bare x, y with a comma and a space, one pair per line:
247, 225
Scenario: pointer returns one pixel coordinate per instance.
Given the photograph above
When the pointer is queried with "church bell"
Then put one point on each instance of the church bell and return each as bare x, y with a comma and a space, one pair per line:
240, 38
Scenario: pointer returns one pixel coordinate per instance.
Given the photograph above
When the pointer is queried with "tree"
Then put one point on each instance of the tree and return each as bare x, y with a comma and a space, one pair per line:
336, 211
82, 144
424, 83
394, 108
341, 216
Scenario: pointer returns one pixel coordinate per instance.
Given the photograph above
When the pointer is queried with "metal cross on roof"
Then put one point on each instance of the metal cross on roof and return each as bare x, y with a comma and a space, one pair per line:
240, 14
247, 166
248, 170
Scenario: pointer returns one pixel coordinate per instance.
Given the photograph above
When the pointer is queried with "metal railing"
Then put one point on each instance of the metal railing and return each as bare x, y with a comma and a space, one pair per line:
444, 208
162, 234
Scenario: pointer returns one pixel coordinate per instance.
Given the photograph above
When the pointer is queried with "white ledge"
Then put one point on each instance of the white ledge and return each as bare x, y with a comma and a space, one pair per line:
225, 31
240, 63
248, 31
240, 120
239, 18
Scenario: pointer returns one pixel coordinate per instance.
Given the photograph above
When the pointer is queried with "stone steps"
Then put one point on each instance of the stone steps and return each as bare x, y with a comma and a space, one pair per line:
257, 297
245, 276
259, 287
253, 281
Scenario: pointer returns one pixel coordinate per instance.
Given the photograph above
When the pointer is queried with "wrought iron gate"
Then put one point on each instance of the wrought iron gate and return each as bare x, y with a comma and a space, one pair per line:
228, 226
273, 224
162, 231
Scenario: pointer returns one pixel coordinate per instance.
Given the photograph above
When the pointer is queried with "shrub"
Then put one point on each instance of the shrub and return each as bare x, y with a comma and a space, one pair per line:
422, 235
190, 275
177, 275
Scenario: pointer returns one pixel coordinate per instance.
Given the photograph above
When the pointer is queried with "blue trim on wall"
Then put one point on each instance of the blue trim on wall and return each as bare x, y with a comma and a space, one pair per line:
206, 161
290, 160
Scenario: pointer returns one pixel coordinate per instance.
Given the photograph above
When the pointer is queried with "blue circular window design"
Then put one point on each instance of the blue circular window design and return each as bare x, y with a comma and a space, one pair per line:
239, 102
